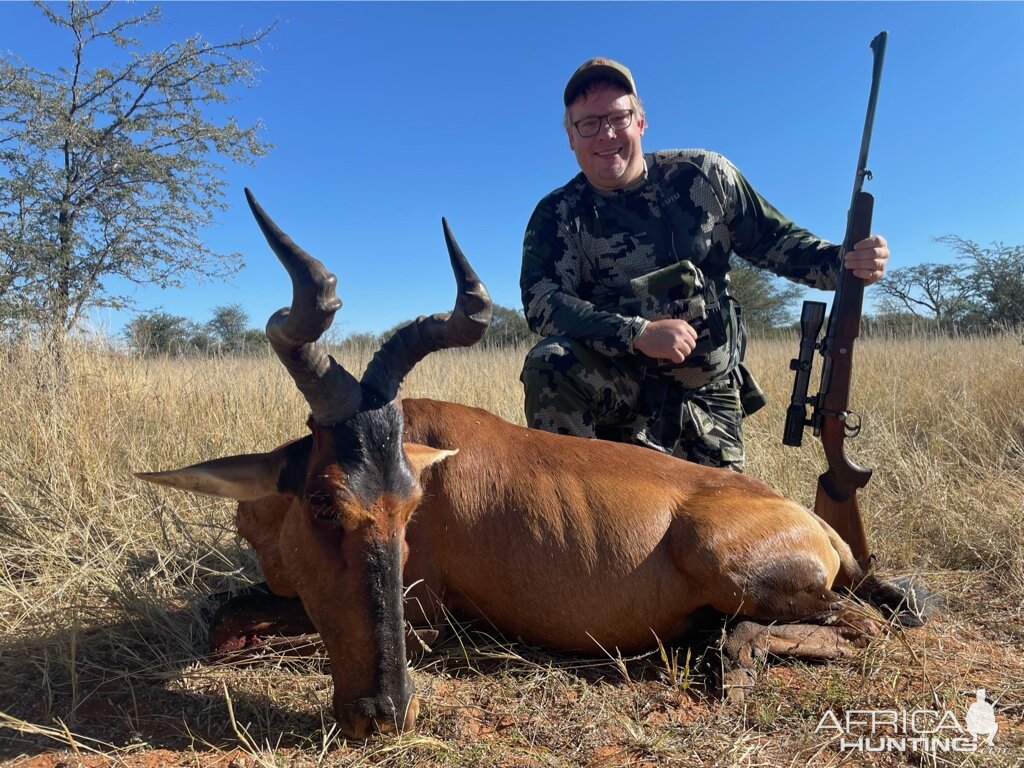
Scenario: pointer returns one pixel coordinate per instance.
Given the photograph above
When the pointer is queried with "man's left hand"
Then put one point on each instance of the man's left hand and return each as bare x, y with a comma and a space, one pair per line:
868, 258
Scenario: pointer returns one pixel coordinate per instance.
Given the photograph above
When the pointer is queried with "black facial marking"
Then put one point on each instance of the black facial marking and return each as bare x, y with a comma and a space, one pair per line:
292, 479
385, 595
368, 447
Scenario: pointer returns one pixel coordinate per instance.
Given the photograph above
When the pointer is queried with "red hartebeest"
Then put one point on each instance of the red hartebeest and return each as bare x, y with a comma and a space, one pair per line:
568, 543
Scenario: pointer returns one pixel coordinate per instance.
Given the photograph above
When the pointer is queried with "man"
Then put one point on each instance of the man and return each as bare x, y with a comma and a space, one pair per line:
625, 272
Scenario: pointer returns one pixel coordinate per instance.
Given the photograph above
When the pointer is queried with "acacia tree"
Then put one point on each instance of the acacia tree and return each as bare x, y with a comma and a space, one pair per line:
998, 272
942, 291
767, 302
158, 332
230, 330
229, 325
984, 288
111, 166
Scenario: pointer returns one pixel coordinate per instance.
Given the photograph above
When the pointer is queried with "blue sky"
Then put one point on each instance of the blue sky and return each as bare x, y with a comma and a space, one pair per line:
388, 116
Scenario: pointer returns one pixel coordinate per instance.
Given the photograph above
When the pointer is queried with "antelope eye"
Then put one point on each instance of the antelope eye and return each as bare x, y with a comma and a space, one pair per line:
322, 507
325, 512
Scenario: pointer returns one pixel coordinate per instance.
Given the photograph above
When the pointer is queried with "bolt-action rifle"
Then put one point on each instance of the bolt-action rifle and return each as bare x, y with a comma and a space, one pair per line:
831, 417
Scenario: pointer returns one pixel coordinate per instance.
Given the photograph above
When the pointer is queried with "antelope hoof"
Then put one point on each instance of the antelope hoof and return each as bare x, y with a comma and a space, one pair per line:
858, 628
735, 685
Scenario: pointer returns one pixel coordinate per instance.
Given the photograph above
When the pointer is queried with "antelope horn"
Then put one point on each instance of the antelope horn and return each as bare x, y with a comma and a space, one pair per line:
411, 343
331, 391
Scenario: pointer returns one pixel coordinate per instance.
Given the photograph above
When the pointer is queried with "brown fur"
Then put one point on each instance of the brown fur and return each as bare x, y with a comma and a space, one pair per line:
575, 544
259, 523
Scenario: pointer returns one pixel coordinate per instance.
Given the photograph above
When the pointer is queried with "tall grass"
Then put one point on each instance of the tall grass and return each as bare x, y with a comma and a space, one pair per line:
102, 577
943, 430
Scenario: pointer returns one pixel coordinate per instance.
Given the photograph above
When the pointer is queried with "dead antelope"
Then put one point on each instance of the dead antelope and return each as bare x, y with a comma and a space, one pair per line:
568, 543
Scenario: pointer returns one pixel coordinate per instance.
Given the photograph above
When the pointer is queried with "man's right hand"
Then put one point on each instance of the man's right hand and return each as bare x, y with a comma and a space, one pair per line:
668, 339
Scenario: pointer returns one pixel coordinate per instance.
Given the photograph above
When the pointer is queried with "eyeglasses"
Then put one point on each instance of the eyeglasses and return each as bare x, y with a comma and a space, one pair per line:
617, 121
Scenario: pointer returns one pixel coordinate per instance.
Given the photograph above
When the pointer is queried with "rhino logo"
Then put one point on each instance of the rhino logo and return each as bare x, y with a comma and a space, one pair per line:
981, 719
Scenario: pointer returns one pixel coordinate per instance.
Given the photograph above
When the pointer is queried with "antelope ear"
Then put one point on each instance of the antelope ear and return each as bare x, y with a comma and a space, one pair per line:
422, 456
245, 478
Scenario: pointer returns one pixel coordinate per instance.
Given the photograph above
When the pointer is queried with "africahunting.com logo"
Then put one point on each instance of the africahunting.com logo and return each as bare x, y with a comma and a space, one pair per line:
918, 730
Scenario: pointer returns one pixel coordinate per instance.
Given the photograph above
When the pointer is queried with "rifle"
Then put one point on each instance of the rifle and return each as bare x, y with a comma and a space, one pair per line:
831, 417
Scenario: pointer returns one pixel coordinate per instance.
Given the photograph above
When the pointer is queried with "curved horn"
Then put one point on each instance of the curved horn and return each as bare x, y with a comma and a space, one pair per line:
331, 391
411, 343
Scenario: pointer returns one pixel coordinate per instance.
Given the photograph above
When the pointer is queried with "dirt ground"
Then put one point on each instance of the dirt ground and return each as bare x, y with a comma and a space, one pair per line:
488, 703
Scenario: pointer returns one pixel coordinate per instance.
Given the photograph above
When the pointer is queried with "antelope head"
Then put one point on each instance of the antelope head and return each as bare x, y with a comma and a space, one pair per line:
353, 484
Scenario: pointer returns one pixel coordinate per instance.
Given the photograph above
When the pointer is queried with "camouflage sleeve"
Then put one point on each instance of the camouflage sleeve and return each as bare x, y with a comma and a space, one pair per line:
767, 239
550, 284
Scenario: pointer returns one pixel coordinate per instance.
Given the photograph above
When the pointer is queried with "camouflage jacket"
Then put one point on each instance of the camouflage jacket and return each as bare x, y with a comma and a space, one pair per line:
583, 247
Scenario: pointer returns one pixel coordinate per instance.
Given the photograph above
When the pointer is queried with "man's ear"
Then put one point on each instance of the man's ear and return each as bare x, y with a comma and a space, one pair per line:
422, 456
570, 133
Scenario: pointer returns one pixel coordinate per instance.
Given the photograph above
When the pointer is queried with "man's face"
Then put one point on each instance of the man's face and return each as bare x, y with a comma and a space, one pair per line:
611, 159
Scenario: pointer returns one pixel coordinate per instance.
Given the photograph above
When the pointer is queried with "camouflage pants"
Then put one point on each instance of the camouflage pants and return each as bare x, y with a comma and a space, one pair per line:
572, 390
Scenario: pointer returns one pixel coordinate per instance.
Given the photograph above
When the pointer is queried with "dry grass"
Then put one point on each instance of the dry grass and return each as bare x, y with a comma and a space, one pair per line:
102, 579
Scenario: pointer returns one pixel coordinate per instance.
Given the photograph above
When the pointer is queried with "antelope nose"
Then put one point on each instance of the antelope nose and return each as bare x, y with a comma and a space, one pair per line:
362, 719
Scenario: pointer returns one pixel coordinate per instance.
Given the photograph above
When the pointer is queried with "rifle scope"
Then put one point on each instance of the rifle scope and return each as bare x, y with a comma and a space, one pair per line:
811, 319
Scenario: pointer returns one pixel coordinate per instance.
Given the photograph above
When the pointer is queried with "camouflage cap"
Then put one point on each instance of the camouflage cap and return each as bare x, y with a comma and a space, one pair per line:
598, 69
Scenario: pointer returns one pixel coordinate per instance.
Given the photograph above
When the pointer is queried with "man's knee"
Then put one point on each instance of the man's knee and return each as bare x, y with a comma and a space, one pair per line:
715, 436
555, 398
551, 362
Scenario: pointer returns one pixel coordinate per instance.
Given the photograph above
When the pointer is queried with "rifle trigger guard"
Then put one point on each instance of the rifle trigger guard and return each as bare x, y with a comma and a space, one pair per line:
867, 174
851, 423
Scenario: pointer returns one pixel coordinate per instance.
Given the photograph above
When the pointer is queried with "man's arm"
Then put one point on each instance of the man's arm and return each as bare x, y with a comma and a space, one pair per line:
760, 234
550, 284
766, 238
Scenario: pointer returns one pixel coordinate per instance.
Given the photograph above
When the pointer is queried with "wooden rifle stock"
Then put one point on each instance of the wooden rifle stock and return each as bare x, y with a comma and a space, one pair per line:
843, 514
836, 498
